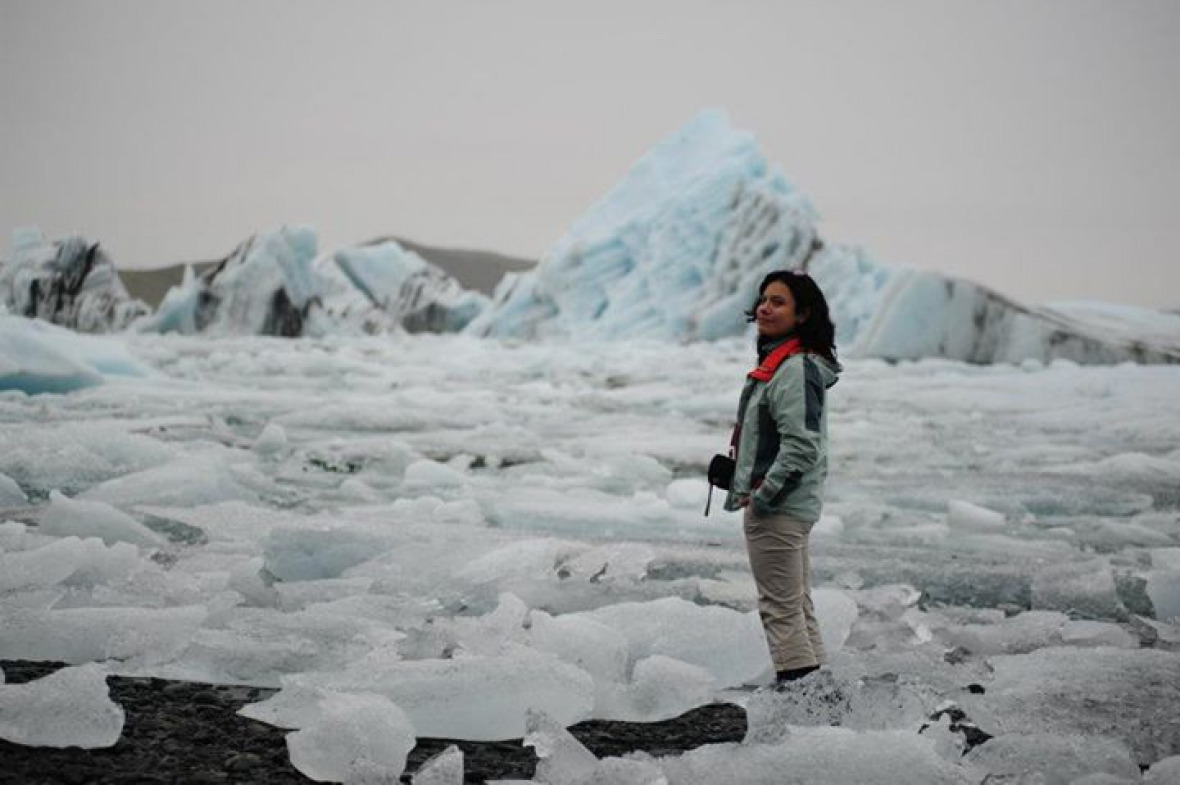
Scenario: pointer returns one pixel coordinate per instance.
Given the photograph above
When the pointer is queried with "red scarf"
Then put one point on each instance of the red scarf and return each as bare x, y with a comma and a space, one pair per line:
765, 370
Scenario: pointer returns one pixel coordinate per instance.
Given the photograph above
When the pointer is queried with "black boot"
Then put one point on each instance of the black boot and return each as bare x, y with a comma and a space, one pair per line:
794, 674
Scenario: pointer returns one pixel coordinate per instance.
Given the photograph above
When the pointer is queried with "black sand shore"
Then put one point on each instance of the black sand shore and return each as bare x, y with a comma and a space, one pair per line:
184, 732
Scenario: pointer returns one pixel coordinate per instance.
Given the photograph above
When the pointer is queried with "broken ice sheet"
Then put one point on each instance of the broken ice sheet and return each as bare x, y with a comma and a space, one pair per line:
353, 738
563, 760
1053, 759
69, 708
467, 697
445, 768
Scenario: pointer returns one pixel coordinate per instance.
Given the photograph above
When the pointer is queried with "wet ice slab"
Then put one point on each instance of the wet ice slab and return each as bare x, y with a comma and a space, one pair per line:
69, 708
353, 738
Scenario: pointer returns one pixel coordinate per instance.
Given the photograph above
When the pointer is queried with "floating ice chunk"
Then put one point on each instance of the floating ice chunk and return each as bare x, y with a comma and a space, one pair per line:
14, 536
71, 560
356, 738
532, 558
1053, 759
735, 590
1021, 633
69, 708
1163, 772
11, 494
1097, 633
1128, 694
104, 565
226, 522
822, 756
1085, 588
728, 644
1163, 584
1163, 587
298, 595
251, 580
561, 759
609, 563
37, 357
178, 311
476, 697
357, 490
972, 517
272, 442
309, 554
74, 457
72, 517
195, 480
836, 613
260, 645
445, 768
295, 706
661, 687
78, 635
431, 474
43, 566
592, 646
490, 634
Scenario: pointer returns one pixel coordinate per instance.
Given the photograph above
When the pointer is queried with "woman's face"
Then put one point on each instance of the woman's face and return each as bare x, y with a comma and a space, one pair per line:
775, 314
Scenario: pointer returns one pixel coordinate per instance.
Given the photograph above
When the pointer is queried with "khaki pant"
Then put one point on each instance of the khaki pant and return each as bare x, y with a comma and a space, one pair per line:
781, 565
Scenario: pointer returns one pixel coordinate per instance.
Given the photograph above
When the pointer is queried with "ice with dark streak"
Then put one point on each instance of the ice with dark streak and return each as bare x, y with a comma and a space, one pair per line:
676, 251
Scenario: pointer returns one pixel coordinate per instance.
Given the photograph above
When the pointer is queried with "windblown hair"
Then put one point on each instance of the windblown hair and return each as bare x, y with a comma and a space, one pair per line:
816, 333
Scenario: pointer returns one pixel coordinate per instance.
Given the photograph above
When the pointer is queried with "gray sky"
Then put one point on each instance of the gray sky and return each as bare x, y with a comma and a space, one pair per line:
1025, 144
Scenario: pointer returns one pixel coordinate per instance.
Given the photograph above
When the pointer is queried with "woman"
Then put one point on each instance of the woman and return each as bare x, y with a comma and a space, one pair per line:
780, 444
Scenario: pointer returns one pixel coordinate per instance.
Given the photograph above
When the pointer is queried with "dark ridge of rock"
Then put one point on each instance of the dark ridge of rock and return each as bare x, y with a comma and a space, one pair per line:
151, 285
478, 270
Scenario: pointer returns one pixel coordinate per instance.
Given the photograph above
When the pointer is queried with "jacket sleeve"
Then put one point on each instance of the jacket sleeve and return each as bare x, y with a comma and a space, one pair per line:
797, 421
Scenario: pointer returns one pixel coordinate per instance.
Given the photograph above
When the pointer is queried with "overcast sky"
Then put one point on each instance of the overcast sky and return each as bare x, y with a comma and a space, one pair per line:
1030, 145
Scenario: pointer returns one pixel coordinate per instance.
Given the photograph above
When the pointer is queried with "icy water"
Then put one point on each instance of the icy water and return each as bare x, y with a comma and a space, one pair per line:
468, 530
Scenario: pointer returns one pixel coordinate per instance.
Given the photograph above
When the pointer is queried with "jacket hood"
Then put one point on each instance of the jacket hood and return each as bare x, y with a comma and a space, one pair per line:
828, 370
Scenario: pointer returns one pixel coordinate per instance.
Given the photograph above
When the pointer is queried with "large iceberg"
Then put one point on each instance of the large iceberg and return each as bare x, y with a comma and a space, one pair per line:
71, 282
278, 284
677, 249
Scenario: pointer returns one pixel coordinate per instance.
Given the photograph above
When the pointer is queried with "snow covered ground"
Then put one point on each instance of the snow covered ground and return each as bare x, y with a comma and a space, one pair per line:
474, 531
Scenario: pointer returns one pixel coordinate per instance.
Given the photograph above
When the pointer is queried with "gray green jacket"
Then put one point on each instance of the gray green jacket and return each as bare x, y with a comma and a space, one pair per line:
782, 449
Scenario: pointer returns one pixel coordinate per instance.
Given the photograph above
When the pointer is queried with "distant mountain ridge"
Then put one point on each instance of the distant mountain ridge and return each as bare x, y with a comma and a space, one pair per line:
474, 269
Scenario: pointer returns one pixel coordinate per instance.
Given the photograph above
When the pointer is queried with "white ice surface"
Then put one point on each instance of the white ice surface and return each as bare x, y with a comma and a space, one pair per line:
549, 546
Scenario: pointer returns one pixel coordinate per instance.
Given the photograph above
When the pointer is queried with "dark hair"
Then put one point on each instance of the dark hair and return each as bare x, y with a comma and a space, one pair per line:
816, 333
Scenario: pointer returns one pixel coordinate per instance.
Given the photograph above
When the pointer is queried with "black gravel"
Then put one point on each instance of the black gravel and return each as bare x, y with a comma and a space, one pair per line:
185, 732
